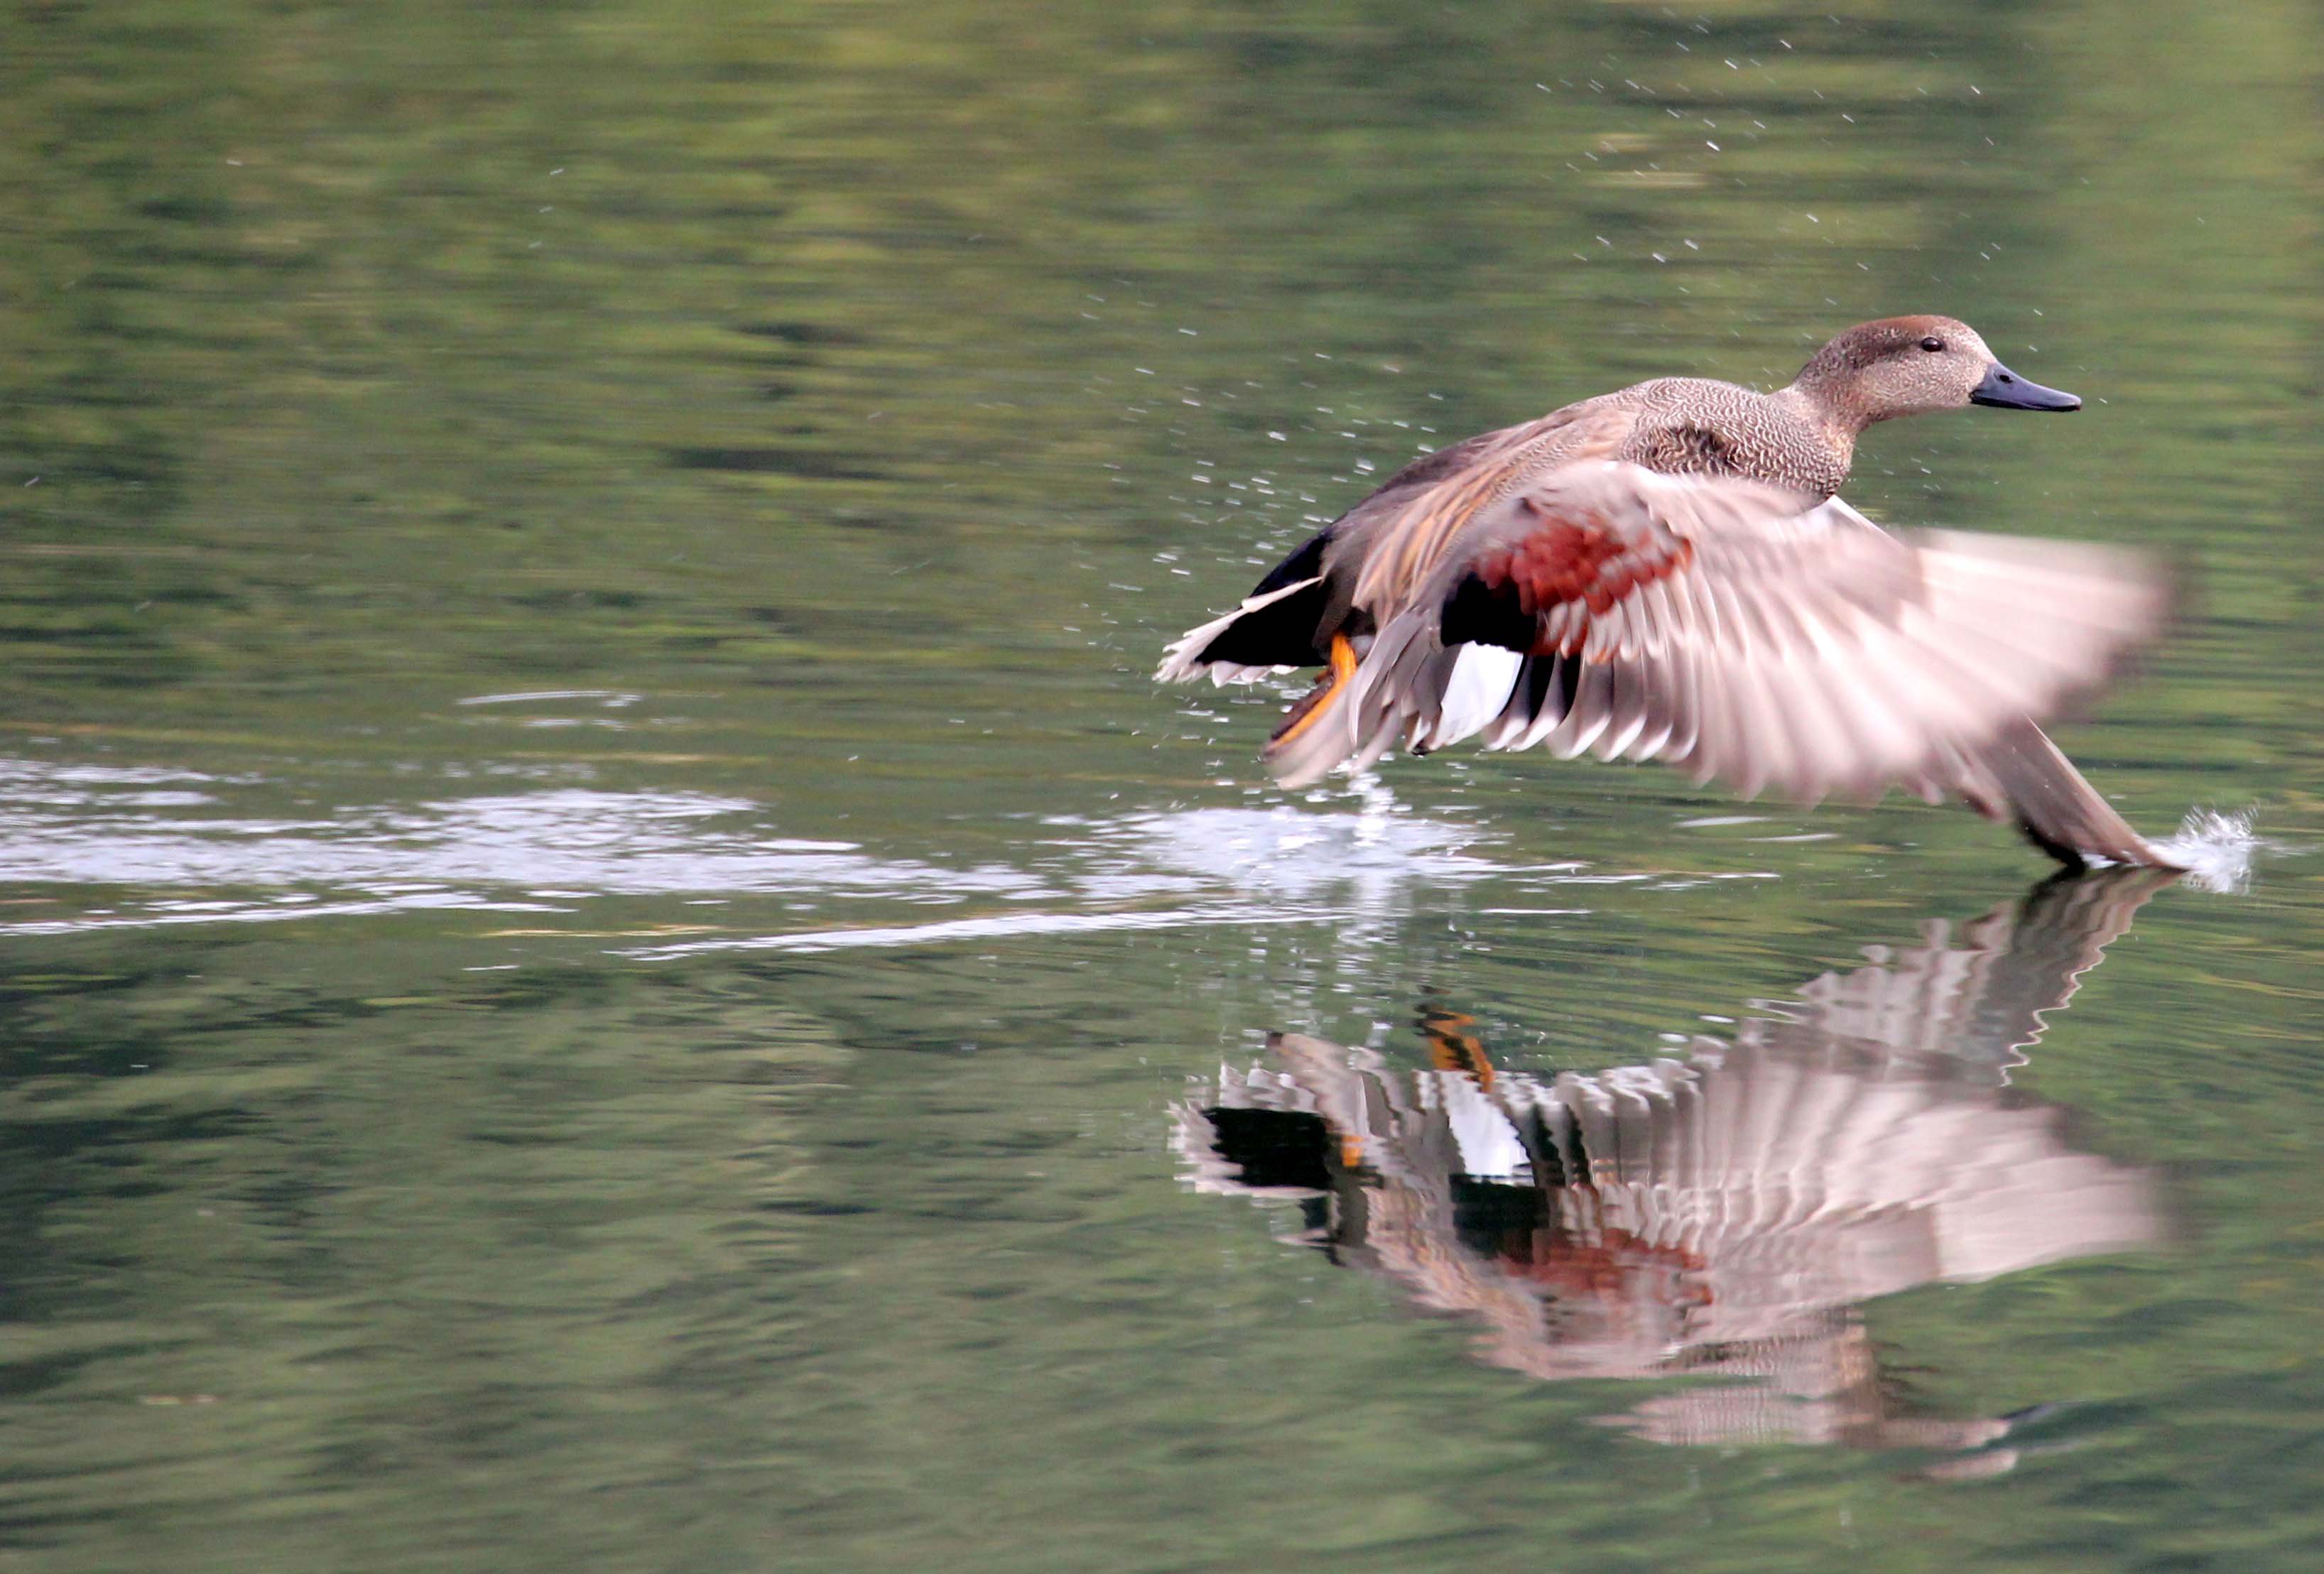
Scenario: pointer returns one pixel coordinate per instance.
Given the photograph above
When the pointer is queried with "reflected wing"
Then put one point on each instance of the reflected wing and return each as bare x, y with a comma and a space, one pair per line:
1862, 1140
1718, 1211
1981, 1003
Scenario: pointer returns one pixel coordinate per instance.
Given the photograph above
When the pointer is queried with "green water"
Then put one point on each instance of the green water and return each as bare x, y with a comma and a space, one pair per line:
605, 940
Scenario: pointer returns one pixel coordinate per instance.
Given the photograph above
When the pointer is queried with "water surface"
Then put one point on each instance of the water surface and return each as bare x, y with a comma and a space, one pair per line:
608, 948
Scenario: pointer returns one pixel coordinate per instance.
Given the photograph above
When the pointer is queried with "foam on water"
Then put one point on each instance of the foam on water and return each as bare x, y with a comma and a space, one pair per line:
2215, 847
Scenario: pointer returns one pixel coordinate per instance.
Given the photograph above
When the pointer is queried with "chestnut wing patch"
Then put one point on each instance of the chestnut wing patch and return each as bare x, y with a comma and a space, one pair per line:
1576, 561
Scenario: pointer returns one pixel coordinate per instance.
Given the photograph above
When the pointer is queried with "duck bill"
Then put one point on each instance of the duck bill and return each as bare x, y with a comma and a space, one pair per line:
2005, 390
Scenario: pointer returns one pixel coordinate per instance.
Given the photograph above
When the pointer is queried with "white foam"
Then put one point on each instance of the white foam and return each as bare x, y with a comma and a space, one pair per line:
2215, 847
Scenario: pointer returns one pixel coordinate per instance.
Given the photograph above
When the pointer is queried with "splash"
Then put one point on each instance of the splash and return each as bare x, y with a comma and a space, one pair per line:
2215, 847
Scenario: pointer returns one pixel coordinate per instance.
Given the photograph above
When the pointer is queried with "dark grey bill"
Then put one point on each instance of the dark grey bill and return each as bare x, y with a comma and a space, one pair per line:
2006, 389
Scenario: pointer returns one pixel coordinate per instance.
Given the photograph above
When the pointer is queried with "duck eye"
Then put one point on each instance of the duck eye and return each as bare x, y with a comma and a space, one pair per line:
1933, 344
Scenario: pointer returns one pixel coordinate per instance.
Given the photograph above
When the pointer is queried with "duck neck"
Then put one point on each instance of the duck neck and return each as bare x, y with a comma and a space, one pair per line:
1835, 423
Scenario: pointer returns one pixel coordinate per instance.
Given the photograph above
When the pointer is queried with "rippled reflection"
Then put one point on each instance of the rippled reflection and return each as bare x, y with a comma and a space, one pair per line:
1724, 1213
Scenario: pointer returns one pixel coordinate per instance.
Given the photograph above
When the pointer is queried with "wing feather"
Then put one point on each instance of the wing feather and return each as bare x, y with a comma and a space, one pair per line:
1743, 632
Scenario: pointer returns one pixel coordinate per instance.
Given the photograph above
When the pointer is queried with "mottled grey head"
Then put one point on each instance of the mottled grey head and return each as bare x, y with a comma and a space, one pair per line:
1907, 365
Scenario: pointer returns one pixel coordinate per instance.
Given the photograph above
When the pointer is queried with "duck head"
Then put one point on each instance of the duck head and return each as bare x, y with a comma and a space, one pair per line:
1907, 366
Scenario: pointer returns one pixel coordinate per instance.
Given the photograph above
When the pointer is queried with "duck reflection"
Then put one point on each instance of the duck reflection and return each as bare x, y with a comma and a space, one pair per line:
1722, 1213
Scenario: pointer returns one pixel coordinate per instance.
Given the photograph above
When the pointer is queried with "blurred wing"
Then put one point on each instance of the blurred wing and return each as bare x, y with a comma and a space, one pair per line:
1404, 549
1380, 547
1734, 632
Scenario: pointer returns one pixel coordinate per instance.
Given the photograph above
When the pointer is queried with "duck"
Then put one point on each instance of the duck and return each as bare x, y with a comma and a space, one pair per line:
1722, 1208
1668, 572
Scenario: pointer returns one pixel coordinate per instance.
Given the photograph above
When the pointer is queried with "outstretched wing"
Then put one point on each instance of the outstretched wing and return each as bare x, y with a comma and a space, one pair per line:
1381, 543
1744, 632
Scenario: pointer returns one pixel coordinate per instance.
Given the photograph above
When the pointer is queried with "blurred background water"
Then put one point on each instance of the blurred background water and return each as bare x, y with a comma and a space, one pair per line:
604, 935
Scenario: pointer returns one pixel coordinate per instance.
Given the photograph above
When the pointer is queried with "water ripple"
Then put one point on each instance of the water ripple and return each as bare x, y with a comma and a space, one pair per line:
76, 826
159, 832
